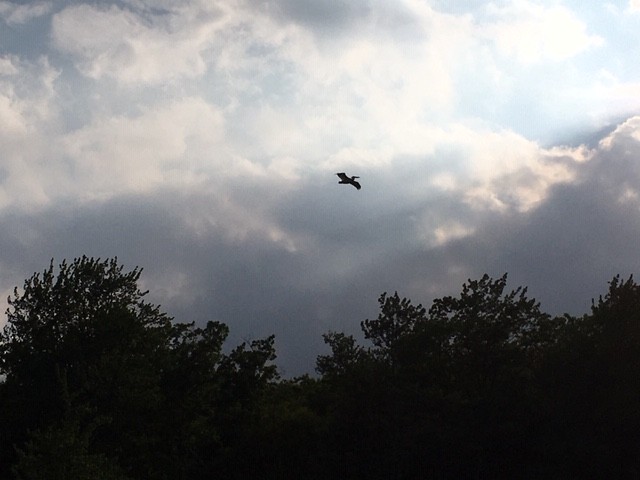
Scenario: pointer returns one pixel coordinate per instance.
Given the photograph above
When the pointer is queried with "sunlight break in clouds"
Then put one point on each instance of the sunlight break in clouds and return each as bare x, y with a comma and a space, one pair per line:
502, 174
532, 33
450, 231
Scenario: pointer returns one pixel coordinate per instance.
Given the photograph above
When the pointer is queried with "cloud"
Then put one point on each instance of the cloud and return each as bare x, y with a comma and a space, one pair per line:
170, 143
200, 140
28, 115
581, 234
251, 281
531, 33
264, 256
327, 16
132, 47
272, 67
565, 247
342, 84
178, 147
14, 13
26, 92
7, 66
611, 96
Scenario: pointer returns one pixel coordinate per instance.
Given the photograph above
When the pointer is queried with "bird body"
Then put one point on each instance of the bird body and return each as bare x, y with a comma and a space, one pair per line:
344, 178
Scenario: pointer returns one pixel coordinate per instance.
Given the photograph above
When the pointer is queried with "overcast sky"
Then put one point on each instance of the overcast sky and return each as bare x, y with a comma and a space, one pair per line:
200, 140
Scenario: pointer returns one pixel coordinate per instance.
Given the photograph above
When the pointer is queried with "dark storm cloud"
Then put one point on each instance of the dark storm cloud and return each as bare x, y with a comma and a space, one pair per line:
256, 287
566, 250
350, 246
327, 15
230, 119
347, 18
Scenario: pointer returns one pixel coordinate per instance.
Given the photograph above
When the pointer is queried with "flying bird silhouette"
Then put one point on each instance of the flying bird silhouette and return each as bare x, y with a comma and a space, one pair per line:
348, 180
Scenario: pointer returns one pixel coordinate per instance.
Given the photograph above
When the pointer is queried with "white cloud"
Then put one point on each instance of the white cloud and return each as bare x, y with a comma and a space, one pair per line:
372, 88
495, 170
528, 184
179, 148
531, 32
628, 130
291, 93
449, 231
492, 173
7, 66
26, 93
609, 96
293, 101
151, 44
176, 143
522, 180
634, 6
28, 116
15, 13
10, 116
119, 43
358, 158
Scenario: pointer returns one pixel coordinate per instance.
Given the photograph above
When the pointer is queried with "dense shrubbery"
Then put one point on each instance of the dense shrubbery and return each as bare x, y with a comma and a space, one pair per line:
98, 384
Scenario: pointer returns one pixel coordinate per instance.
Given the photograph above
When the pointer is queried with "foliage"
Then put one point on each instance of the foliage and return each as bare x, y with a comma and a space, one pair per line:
345, 353
60, 452
486, 385
81, 343
99, 384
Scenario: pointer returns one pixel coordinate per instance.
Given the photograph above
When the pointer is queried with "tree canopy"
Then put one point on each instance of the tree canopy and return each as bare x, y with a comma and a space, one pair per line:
89, 365
97, 383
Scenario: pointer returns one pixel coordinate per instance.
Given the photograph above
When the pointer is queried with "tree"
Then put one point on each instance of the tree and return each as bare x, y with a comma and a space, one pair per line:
345, 353
491, 332
496, 338
82, 352
591, 384
61, 452
82, 338
454, 378
397, 319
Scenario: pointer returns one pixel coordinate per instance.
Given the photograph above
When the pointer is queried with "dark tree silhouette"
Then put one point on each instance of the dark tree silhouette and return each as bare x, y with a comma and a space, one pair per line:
455, 378
89, 365
82, 343
96, 383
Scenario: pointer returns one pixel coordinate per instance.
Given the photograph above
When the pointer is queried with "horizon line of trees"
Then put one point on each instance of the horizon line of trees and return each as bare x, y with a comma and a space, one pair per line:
96, 383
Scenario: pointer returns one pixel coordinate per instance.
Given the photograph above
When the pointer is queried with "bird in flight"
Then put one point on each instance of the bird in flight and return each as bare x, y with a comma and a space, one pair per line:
348, 180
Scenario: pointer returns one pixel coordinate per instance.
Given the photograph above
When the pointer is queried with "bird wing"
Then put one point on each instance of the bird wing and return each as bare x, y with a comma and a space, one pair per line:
343, 176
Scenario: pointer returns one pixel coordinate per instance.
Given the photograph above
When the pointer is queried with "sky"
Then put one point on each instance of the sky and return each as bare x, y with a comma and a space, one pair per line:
200, 139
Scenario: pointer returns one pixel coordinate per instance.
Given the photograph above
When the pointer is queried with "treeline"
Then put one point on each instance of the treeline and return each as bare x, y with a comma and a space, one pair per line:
98, 384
